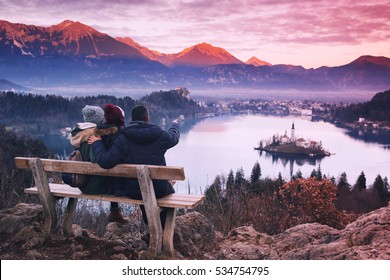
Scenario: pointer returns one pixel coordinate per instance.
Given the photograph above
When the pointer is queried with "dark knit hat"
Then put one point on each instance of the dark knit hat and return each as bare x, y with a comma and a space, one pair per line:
114, 115
93, 114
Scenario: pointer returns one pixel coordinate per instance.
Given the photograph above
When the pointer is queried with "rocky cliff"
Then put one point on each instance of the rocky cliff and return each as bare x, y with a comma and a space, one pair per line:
22, 237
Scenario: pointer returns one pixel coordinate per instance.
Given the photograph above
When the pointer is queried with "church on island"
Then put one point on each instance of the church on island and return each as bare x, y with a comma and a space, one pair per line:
291, 145
300, 142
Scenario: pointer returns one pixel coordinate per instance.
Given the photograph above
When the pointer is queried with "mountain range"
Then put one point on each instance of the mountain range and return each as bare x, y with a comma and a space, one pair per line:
74, 54
9, 86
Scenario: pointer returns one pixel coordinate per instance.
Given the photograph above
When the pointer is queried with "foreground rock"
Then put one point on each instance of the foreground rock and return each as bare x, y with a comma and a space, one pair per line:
22, 237
366, 238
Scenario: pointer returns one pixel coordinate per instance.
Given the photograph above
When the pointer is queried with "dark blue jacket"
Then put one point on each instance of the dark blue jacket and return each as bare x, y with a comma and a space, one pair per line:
139, 143
114, 185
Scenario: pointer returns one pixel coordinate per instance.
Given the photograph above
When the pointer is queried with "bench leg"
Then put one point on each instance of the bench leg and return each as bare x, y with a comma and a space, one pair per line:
47, 199
152, 210
169, 230
69, 216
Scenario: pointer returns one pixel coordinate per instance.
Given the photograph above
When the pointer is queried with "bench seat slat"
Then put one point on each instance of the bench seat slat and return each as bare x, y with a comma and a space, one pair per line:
170, 201
121, 170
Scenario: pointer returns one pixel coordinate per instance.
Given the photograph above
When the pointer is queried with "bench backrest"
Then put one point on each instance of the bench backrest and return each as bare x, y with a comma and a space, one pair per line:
121, 170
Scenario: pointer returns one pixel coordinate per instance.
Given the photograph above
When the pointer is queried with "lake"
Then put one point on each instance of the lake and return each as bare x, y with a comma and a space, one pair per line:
214, 146
217, 145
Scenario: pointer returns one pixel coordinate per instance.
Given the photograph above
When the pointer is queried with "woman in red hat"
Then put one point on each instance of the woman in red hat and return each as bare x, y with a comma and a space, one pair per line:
115, 121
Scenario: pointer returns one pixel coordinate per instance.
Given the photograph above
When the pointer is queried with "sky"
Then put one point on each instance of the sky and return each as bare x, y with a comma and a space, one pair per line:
311, 33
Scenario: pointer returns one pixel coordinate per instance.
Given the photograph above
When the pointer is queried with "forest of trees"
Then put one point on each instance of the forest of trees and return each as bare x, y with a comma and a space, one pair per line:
53, 111
12, 181
274, 205
170, 104
377, 109
50, 110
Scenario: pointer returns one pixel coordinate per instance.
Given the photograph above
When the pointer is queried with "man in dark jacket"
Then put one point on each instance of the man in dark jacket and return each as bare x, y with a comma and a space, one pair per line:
139, 143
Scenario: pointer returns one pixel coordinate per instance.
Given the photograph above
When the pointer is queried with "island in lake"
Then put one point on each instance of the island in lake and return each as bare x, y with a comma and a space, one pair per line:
292, 146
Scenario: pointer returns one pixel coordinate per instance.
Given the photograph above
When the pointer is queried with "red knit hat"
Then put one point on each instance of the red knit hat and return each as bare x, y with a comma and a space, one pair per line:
114, 115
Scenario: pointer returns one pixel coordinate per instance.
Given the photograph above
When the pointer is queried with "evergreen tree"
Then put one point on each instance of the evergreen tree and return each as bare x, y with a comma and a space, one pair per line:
298, 175
343, 185
212, 192
230, 181
240, 178
256, 173
361, 182
313, 174
386, 182
380, 187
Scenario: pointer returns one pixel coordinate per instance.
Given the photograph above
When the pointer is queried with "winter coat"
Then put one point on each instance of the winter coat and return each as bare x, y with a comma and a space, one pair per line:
114, 184
79, 136
139, 143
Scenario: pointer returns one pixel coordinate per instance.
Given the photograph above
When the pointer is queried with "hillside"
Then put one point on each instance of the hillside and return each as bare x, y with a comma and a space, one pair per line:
377, 109
367, 238
9, 86
53, 111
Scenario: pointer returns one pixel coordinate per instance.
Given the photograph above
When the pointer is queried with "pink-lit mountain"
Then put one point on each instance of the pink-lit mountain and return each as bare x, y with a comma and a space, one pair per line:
257, 62
153, 55
204, 55
65, 39
367, 59
199, 55
72, 53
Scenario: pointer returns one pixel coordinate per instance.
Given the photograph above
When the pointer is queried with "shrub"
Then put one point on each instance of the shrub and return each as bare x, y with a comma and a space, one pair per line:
309, 200
272, 206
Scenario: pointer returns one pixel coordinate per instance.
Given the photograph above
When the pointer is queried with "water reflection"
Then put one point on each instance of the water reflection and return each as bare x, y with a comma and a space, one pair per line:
371, 136
290, 161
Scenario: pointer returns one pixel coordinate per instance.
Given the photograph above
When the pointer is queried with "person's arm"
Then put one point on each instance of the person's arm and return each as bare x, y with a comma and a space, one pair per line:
173, 134
105, 159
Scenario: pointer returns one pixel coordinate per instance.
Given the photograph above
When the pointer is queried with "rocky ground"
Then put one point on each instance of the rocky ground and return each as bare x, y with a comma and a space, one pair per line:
22, 237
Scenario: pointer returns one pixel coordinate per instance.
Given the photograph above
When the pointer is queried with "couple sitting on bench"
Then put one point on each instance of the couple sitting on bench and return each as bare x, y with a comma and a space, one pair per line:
109, 143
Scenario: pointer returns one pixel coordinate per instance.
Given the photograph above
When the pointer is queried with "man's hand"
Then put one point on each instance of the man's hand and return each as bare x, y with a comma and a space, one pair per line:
179, 119
93, 138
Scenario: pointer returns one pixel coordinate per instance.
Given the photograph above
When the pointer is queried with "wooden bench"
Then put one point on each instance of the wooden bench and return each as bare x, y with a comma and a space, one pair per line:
161, 241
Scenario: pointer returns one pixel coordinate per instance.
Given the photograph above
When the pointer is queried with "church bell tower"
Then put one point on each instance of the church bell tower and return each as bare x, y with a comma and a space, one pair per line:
293, 133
